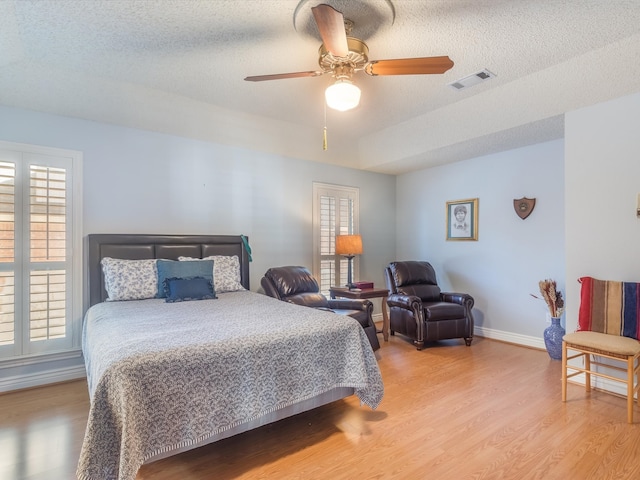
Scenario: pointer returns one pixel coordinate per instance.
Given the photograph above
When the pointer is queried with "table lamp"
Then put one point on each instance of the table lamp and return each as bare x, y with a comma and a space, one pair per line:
349, 246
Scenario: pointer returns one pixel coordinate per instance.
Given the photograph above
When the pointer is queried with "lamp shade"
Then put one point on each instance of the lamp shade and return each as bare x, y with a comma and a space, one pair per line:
342, 95
348, 245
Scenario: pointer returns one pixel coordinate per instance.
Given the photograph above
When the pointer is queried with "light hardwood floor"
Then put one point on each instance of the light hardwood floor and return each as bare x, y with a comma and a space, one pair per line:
489, 411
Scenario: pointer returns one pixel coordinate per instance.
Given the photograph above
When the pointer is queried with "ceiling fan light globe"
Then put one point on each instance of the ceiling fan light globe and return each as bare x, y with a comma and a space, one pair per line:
342, 95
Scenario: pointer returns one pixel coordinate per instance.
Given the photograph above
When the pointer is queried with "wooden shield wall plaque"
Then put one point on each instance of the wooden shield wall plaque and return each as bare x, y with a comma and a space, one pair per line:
524, 206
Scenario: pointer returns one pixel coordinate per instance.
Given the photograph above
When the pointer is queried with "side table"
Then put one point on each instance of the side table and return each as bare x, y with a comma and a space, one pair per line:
366, 293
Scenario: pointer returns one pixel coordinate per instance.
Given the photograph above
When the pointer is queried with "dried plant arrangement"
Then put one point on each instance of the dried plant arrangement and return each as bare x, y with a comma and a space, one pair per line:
551, 296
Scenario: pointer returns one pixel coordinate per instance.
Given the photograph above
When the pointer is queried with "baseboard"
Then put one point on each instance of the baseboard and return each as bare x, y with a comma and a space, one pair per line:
602, 384
609, 386
515, 338
509, 337
38, 379
598, 383
78, 372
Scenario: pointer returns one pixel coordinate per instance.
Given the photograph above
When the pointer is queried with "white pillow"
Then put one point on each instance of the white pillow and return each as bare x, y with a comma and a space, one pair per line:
226, 272
130, 279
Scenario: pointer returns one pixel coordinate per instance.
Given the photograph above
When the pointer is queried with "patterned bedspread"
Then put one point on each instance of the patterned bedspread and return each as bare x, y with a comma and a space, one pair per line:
164, 376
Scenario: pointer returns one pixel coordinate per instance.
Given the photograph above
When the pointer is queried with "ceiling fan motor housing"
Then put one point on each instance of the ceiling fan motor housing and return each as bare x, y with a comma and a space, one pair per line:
357, 57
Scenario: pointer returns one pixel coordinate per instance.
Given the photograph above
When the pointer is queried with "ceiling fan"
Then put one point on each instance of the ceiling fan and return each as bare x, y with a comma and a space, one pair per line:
342, 55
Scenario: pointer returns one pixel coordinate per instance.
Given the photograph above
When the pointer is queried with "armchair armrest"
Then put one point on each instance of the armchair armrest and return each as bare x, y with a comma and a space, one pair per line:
463, 299
269, 288
408, 302
350, 304
467, 302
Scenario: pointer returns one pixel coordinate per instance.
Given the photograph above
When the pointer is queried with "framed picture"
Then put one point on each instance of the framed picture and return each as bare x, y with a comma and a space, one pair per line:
462, 219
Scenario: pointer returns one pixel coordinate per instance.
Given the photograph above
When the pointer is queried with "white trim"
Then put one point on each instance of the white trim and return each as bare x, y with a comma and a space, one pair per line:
509, 337
338, 192
538, 343
71, 162
38, 379
516, 339
601, 383
597, 383
39, 358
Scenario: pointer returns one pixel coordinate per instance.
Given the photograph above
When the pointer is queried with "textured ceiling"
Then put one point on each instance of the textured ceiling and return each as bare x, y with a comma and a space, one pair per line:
178, 67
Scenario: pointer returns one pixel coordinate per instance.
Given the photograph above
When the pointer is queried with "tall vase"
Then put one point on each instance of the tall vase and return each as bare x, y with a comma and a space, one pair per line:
553, 338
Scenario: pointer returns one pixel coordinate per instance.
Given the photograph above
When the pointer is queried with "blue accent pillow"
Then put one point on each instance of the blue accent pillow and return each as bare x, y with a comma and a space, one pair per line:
176, 269
185, 289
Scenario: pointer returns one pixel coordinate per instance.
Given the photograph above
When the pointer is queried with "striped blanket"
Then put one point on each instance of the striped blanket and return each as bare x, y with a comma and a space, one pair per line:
609, 307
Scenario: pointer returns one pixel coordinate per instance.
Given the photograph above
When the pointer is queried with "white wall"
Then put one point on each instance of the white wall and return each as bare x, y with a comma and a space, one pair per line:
584, 222
143, 182
174, 185
503, 267
602, 164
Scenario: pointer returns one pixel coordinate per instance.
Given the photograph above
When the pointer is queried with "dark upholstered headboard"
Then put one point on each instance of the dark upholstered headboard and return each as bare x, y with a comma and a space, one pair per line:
170, 247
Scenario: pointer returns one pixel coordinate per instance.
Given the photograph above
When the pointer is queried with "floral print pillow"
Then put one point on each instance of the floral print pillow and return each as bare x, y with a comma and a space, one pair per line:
226, 272
129, 279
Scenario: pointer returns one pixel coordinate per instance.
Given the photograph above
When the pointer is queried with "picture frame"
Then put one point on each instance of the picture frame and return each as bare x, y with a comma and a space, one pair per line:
462, 220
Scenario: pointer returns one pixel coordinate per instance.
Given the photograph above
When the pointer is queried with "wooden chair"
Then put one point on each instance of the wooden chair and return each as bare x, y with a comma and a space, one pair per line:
608, 328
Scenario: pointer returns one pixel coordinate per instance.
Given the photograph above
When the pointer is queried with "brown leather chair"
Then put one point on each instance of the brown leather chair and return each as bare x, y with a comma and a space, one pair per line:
297, 285
418, 309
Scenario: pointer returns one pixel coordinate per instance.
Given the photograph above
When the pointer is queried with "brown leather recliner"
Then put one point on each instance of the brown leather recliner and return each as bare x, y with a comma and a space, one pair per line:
418, 309
297, 285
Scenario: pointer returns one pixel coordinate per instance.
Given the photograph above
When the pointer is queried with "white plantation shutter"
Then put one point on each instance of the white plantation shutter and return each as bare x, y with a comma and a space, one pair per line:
47, 252
335, 212
7, 253
328, 271
40, 279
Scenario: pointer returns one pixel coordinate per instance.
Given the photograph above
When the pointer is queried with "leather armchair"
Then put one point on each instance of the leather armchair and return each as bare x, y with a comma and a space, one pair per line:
297, 285
418, 309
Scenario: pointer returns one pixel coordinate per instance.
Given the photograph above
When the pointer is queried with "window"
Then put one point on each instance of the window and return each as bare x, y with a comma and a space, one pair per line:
40, 250
335, 212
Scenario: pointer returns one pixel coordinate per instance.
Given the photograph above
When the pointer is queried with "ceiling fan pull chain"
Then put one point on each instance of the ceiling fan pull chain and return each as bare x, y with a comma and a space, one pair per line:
324, 130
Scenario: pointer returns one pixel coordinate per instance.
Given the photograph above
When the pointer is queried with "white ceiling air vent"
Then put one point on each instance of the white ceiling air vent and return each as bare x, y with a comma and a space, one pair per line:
471, 80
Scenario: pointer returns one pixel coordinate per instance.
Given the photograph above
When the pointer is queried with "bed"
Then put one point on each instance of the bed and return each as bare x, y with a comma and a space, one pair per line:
165, 377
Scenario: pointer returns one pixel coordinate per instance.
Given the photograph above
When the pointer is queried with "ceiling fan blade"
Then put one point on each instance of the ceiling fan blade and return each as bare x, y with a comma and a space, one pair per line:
331, 26
278, 76
409, 66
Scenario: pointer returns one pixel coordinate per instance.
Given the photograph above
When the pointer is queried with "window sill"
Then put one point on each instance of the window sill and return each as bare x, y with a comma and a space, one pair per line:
39, 358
